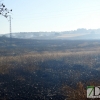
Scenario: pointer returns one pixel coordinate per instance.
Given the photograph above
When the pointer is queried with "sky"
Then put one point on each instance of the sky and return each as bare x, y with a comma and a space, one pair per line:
50, 15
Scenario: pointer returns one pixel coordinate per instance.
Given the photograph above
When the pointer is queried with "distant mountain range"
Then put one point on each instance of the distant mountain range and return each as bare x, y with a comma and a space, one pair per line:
73, 35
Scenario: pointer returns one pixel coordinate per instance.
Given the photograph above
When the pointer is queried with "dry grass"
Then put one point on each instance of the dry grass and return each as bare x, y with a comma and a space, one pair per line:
79, 93
82, 57
75, 94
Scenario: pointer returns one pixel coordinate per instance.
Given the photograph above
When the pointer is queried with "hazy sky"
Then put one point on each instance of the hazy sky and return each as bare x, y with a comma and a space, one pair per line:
51, 15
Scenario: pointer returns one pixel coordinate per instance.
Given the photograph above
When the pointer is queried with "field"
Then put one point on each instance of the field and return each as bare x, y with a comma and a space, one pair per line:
48, 69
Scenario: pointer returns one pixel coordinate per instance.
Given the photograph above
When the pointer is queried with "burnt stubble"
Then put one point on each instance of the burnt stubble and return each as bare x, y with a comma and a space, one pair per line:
46, 69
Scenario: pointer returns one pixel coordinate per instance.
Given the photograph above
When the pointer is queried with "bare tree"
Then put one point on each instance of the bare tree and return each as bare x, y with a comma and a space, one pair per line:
4, 11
